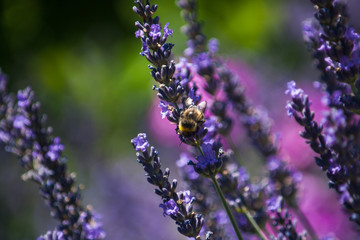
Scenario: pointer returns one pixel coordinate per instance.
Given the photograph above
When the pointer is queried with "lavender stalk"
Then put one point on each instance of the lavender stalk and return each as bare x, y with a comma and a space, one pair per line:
227, 209
341, 166
24, 133
335, 46
177, 205
281, 220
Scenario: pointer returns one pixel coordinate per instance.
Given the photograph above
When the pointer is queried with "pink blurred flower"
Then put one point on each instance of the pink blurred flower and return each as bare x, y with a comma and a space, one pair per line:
322, 208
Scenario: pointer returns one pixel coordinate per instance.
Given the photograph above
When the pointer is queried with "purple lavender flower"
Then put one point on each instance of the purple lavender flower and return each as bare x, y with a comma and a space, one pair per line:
214, 71
170, 207
174, 90
92, 226
255, 120
187, 197
206, 202
207, 164
23, 97
140, 142
167, 31
139, 33
21, 122
293, 91
55, 149
213, 46
192, 29
333, 142
335, 46
334, 122
183, 71
274, 204
54, 235
164, 109
190, 50
23, 131
178, 205
203, 63
155, 31
192, 94
282, 220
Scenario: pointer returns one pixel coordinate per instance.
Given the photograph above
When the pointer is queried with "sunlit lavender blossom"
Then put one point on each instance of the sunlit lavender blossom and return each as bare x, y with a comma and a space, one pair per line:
178, 205
141, 142
336, 153
170, 207
207, 164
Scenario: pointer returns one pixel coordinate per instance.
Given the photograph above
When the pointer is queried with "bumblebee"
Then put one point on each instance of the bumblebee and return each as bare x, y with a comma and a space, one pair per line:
191, 119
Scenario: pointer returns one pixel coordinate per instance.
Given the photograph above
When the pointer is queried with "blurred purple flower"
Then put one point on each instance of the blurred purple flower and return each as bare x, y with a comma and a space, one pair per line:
55, 149
167, 30
21, 122
213, 45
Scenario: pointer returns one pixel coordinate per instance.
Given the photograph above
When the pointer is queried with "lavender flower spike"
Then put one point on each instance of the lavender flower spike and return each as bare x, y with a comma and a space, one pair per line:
24, 133
336, 47
177, 205
336, 157
282, 220
178, 99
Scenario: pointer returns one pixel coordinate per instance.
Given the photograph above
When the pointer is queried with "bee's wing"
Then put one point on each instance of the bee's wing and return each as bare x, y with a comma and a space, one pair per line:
202, 106
188, 102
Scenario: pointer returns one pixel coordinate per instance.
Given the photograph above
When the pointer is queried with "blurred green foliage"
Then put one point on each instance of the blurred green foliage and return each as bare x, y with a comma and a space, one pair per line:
82, 55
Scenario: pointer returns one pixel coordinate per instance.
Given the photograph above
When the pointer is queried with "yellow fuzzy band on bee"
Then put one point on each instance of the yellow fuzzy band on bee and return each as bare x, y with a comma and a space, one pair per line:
185, 129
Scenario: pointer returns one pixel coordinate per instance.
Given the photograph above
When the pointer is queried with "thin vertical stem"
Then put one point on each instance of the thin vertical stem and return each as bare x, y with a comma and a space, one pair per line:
200, 149
354, 89
253, 223
226, 206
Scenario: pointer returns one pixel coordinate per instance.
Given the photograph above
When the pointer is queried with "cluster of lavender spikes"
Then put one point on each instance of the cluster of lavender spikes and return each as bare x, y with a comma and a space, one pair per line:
219, 184
335, 46
244, 201
24, 133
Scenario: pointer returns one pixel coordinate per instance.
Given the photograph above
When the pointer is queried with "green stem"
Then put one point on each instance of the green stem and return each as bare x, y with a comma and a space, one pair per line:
200, 149
354, 90
226, 206
253, 223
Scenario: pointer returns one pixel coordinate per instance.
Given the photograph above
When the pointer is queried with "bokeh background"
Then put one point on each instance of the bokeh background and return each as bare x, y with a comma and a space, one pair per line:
82, 59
